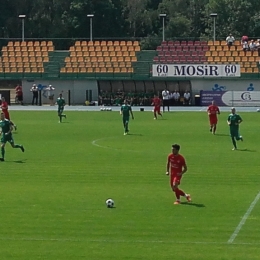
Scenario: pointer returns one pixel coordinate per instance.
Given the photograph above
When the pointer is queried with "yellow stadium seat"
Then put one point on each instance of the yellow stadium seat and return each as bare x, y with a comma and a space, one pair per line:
98, 48
10, 48
119, 53
23, 44
223, 43
103, 43
104, 48
210, 59
129, 43
17, 48
7, 70
128, 59
217, 43
133, 59
113, 59
69, 70
122, 43
255, 53
225, 48
110, 70
10, 44
249, 70
11, 59
32, 59
248, 53
116, 70
115, 64
50, 48
237, 59
108, 64
83, 70
37, 43
118, 48
20, 70
109, 43
27, 70
228, 53
78, 48
251, 59
73, 54
4, 48
91, 43
137, 48
79, 53
96, 43
130, 70
217, 59
100, 59
120, 58
75, 70
84, 43
128, 64
244, 59
116, 43
43, 43
232, 48
255, 70
130, 48
241, 53
214, 53
111, 48
86, 54
230, 59
212, 48
30, 44
84, 48
16, 44
218, 48
1, 70
77, 43
99, 54
80, 59
90, 70
135, 43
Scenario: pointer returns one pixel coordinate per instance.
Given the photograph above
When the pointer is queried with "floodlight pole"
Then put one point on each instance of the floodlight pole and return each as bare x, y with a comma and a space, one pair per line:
90, 16
22, 16
163, 25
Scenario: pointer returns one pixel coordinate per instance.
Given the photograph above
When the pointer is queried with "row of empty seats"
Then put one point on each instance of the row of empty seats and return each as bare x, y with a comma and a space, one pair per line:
97, 70
103, 54
106, 43
22, 70
27, 49
180, 59
232, 53
99, 65
184, 43
101, 59
30, 43
182, 48
103, 48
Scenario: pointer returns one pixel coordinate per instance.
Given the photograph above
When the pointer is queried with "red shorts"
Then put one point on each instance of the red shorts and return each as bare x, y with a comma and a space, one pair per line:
175, 179
157, 109
213, 120
7, 116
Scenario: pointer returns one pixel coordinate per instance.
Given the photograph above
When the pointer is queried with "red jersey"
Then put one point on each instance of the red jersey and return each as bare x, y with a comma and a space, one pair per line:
213, 110
4, 106
19, 90
157, 102
177, 162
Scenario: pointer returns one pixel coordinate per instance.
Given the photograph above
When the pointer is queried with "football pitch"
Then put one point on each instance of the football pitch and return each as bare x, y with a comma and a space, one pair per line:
52, 197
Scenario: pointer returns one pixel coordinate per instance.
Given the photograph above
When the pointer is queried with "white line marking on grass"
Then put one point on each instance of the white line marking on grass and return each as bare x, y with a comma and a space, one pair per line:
95, 143
120, 241
243, 220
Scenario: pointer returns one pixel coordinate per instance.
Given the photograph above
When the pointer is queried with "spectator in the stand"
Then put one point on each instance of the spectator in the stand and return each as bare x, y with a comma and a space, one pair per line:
186, 98
244, 39
230, 40
258, 46
176, 97
252, 46
245, 46
166, 99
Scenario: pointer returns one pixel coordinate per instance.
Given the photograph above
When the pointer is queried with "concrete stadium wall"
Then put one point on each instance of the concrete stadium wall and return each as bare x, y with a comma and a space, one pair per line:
77, 87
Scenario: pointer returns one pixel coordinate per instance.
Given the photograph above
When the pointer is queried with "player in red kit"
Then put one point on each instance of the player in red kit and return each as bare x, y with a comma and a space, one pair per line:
4, 107
213, 111
157, 106
176, 163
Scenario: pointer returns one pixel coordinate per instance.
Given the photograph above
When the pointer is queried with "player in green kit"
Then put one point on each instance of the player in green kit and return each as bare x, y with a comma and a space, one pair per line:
234, 120
6, 136
61, 103
126, 110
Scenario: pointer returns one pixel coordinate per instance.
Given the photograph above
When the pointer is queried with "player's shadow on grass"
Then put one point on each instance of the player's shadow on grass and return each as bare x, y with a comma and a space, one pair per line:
19, 161
222, 135
246, 150
135, 134
198, 205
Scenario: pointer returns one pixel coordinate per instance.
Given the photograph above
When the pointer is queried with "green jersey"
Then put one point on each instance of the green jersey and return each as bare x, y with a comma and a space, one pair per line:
60, 102
5, 125
234, 119
125, 109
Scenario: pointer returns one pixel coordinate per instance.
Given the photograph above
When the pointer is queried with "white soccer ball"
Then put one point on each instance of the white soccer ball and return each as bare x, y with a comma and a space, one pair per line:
110, 203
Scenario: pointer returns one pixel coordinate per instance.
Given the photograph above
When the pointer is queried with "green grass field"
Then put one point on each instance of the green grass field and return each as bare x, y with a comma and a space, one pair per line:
52, 197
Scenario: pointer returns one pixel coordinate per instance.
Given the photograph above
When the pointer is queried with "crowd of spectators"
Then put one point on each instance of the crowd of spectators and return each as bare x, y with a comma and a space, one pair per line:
141, 98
